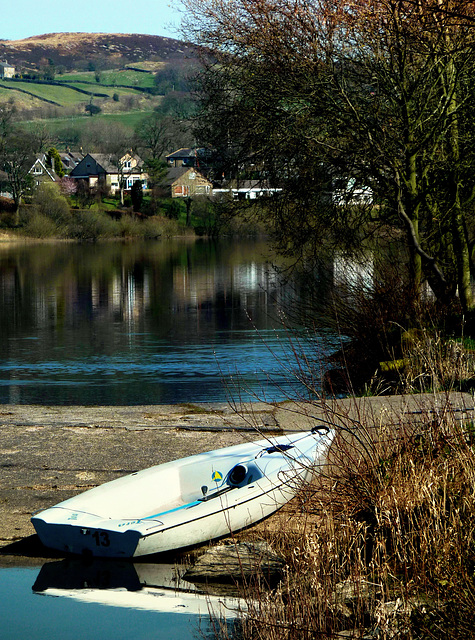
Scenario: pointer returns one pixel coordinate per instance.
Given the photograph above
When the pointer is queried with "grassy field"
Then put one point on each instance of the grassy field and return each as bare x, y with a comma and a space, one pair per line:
22, 100
110, 78
128, 119
63, 96
108, 90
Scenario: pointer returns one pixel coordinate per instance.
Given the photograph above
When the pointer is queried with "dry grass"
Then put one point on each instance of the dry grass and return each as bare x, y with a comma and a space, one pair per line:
382, 545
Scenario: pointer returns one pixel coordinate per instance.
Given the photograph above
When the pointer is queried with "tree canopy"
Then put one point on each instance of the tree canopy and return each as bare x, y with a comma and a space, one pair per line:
371, 94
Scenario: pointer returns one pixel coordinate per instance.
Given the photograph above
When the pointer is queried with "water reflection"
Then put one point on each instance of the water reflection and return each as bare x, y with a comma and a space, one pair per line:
147, 586
149, 323
103, 599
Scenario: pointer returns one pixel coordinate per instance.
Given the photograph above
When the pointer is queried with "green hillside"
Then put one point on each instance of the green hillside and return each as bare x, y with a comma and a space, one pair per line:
80, 123
57, 77
111, 78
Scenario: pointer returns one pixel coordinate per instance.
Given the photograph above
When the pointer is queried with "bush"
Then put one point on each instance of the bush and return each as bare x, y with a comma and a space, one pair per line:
49, 202
136, 195
160, 226
130, 227
40, 226
382, 545
173, 209
92, 109
153, 227
92, 225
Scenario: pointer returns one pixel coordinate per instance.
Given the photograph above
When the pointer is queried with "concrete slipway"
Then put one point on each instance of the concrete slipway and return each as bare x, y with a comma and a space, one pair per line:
48, 454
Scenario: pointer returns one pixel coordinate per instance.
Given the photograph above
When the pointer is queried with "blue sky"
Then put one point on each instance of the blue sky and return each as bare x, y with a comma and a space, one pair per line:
24, 18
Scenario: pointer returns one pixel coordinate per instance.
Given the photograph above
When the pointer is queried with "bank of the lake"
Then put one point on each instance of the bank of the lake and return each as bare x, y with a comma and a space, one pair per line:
51, 453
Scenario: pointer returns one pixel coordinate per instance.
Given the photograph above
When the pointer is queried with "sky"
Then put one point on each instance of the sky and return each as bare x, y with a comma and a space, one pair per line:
25, 18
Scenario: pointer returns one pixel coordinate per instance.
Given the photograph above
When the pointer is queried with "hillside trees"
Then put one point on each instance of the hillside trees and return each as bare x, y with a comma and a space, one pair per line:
54, 161
374, 93
17, 154
155, 134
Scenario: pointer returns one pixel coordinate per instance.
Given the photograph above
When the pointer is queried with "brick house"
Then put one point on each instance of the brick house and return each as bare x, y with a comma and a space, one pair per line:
185, 182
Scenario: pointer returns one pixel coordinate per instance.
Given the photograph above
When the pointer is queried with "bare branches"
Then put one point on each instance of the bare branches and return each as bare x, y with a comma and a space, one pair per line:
377, 92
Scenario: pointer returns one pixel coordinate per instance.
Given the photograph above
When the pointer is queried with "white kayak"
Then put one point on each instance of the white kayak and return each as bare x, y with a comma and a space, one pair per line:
185, 502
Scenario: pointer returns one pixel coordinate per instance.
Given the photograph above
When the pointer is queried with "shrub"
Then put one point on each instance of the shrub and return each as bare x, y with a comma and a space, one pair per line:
136, 195
152, 228
92, 109
40, 226
49, 202
174, 209
383, 544
92, 225
130, 227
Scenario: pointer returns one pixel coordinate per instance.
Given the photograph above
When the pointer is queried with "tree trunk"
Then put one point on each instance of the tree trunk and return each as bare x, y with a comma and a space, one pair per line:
461, 248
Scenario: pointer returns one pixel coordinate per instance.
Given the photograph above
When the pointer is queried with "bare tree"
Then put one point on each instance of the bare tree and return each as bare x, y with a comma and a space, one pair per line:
375, 93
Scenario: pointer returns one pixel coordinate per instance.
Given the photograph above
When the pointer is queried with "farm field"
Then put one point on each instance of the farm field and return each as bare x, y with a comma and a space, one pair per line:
128, 119
104, 89
62, 96
22, 100
114, 72
111, 78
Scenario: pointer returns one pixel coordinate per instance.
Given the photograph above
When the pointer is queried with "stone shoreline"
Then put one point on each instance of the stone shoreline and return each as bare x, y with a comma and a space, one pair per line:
48, 454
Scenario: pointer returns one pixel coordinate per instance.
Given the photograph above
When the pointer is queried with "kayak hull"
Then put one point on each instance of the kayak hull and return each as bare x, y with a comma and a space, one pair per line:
186, 502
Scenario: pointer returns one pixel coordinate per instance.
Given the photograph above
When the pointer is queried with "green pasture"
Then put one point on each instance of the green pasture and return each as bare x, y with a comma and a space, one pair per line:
20, 98
106, 89
62, 95
110, 78
55, 126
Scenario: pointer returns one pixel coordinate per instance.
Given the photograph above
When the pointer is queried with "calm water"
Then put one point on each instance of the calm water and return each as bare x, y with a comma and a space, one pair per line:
152, 323
63, 600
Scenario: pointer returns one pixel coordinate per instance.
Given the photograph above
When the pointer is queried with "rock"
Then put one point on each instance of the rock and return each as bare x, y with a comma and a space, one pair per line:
237, 562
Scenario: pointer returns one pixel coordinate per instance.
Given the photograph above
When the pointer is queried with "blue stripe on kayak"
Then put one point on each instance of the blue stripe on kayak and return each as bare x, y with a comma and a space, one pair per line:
164, 513
196, 502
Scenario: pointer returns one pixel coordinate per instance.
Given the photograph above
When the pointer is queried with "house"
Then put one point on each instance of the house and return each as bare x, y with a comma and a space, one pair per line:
201, 158
182, 158
40, 171
6, 70
349, 191
186, 182
70, 159
247, 190
99, 168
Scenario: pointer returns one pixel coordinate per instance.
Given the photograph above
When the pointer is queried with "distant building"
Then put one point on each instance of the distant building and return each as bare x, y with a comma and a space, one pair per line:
99, 168
186, 182
41, 172
70, 159
182, 158
201, 158
6, 70
247, 190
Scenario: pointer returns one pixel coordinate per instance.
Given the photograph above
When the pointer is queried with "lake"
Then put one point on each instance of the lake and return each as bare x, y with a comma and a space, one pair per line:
129, 324
76, 600
161, 322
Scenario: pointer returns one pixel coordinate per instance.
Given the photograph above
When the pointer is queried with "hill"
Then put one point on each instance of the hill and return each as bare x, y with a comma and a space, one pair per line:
59, 74
80, 51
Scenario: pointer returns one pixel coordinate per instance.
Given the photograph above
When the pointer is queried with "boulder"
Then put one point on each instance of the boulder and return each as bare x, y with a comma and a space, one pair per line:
237, 562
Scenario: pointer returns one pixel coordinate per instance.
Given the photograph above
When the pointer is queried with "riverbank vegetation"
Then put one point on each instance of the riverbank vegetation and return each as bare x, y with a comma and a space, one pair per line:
382, 545
50, 214
362, 113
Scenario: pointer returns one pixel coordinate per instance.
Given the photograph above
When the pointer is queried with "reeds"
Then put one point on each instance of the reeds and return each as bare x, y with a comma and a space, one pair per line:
382, 545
